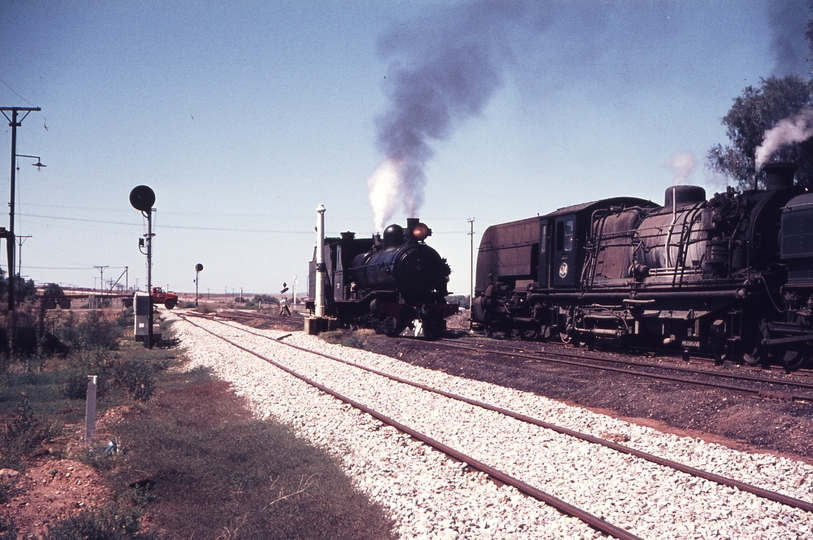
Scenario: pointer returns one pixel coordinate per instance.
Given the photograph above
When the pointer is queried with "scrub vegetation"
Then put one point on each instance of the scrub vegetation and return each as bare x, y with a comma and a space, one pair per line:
178, 454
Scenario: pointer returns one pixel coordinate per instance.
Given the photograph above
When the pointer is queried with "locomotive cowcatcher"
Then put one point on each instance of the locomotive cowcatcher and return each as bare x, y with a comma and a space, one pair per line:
731, 276
388, 282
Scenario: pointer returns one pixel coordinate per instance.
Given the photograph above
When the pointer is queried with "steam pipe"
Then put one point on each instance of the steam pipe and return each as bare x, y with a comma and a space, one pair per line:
319, 308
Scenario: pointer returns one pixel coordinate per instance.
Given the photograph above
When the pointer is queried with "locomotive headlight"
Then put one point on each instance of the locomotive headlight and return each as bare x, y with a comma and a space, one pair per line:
420, 232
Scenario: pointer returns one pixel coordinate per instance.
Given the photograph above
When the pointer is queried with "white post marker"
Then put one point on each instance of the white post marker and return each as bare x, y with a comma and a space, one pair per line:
90, 411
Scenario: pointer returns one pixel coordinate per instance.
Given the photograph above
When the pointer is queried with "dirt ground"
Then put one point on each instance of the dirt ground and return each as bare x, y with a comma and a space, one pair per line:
52, 489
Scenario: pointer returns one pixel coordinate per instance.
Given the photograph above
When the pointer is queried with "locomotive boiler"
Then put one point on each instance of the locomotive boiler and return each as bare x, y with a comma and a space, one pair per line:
731, 276
388, 282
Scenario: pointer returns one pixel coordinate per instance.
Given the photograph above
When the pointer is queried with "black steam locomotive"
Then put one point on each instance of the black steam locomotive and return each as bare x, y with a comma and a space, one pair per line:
385, 283
731, 276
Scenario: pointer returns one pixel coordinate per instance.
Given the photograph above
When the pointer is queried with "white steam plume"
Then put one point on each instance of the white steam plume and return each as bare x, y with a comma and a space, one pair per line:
437, 77
385, 186
796, 128
682, 165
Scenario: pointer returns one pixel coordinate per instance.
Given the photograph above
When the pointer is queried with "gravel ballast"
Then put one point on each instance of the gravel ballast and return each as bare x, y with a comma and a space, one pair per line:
432, 496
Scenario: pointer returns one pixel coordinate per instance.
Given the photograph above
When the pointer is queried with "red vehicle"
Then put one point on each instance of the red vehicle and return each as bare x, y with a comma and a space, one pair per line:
169, 299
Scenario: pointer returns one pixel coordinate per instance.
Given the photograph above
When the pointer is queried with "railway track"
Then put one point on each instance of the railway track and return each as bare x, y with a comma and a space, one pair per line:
503, 413
677, 363
797, 388
761, 387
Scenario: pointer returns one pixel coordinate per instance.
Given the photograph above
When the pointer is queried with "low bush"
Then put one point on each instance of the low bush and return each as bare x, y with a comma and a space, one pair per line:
98, 331
76, 387
8, 530
136, 377
23, 433
110, 523
191, 456
348, 338
204, 308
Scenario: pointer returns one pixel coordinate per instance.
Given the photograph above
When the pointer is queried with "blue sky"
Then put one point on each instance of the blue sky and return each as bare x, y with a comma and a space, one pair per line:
244, 116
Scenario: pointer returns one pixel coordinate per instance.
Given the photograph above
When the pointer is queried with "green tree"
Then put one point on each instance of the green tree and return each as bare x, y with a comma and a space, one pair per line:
753, 113
24, 291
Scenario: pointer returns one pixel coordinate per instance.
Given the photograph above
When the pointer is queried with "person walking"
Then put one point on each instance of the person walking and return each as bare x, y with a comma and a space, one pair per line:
283, 307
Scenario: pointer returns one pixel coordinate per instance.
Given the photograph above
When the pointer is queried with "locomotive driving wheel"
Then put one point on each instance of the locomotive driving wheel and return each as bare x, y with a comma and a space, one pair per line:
393, 327
756, 357
794, 359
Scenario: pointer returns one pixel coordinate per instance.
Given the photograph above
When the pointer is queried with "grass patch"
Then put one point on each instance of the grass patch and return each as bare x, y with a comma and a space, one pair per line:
248, 478
190, 460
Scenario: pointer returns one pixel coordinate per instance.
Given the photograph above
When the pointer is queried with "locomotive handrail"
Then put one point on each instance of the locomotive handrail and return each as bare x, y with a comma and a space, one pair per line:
683, 245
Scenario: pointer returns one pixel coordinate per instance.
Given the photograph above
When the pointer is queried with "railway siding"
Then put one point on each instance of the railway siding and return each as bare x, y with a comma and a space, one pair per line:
432, 496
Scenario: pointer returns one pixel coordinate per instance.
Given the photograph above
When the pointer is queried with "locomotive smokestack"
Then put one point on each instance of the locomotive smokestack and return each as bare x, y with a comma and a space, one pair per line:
779, 175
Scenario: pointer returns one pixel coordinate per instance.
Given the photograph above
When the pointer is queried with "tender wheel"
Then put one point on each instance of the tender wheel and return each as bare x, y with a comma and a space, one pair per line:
170, 303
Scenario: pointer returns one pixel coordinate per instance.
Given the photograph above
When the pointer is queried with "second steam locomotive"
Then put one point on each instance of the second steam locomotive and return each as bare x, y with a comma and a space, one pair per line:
388, 282
731, 276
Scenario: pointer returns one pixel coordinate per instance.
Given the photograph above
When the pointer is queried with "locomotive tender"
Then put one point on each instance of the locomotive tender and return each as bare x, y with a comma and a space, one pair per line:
384, 283
731, 276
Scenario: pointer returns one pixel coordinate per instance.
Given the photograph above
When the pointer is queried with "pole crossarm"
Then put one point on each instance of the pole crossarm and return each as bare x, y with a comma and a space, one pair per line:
13, 122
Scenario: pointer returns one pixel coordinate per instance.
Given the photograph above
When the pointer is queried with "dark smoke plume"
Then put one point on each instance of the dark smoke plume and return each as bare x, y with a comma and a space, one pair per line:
439, 74
787, 20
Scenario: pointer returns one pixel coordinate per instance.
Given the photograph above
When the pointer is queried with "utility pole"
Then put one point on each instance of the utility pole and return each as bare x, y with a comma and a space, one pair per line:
471, 265
20, 241
14, 122
101, 276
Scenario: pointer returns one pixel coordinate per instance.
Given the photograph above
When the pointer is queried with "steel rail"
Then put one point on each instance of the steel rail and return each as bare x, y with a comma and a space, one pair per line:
234, 314
593, 521
713, 477
731, 376
751, 391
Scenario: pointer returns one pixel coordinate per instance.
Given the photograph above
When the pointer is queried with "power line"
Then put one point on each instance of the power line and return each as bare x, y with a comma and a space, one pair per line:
69, 267
190, 228
15, 92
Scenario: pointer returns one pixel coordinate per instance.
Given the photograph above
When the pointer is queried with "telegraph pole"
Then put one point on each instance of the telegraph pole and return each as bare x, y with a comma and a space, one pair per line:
20, 241
14, 122
101, 276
